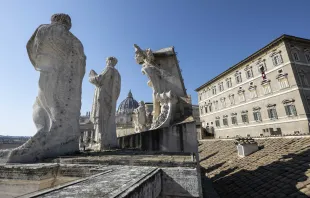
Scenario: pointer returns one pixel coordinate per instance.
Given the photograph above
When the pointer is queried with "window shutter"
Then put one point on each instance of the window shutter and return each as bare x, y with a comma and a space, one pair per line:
255, 116
275, 113
269, 113
287, 110
294, 110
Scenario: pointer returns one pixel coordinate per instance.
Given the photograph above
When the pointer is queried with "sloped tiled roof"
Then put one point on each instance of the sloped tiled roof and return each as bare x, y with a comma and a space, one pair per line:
281, 168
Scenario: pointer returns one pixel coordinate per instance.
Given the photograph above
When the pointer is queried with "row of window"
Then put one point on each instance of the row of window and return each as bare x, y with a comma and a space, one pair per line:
289, 107
266, 88
261, 66
296, 54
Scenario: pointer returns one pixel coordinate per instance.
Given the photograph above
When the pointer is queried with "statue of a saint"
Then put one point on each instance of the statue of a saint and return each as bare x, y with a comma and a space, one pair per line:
140, 118
59, 57
108, 87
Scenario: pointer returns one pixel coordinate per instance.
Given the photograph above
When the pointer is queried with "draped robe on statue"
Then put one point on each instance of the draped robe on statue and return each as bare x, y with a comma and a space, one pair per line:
59, 57
108, 86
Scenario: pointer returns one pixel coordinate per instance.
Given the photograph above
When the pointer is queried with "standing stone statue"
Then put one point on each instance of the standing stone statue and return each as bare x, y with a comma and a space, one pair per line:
59, 57
140, 120
108, 87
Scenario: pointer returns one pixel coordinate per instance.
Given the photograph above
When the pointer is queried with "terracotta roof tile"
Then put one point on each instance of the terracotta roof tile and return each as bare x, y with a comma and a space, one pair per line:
281, 168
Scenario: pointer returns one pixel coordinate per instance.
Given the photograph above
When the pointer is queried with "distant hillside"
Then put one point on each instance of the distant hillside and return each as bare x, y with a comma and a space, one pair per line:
13, 139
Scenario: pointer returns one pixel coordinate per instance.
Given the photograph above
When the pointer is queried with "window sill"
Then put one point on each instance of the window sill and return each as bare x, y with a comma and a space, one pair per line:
291, 116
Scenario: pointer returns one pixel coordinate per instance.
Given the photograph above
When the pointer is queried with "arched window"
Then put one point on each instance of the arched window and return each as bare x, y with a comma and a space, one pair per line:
295, 55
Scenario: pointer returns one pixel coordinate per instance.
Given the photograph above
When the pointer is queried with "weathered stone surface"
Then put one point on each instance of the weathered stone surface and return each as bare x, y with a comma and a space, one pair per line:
167, 176
59, 57
170, 100
108, 87
134, 159
125, 181
180, 182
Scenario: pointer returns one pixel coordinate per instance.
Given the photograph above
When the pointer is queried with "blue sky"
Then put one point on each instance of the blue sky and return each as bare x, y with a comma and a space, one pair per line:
209, 36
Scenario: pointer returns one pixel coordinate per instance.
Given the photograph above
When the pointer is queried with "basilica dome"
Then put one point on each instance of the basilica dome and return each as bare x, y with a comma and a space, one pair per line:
128, 105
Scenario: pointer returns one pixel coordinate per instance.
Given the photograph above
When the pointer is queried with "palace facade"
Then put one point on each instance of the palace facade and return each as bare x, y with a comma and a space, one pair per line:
266, 94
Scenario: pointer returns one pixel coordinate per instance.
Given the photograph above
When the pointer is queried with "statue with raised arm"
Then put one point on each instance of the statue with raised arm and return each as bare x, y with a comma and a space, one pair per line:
59, 57
108, 87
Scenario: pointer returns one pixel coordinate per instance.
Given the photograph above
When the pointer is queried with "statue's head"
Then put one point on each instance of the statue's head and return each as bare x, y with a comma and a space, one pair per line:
141, 103
111, 61
149, 55
139, 54
63, 19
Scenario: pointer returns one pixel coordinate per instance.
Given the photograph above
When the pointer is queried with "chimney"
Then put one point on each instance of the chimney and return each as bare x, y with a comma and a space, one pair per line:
246, 146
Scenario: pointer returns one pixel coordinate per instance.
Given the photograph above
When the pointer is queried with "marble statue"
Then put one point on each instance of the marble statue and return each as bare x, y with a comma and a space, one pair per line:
140, 118
59, 57
108, 86
170, 101
149, 117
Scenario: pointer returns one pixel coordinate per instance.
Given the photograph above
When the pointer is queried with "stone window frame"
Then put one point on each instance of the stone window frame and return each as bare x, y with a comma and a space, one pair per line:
303, 78
225, 120
290, 108
272, 112
217, 121
252, 90
204, 94
214, 90
231, 99
249, 72
206, 108
276, 58
261, 63
228, 82
245, 117
221, 86
308, 100
208, 92
266, 84
282, 79
257, 112
234, 120
210, 106
201, 109
238, 77
215, 103
223, 102
241, 93
295, 53
307, 54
